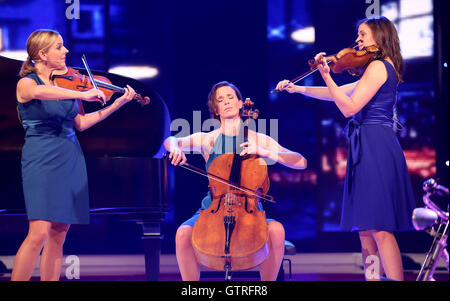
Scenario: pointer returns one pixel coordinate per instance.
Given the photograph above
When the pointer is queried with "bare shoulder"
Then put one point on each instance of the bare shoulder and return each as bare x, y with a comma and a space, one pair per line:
375, 75
23, 89
260, 138
209, 138
25, 82
376, 67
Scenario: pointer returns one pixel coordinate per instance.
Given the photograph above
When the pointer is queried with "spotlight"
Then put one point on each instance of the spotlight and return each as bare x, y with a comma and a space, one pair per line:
304, 35
20, 55
136, 72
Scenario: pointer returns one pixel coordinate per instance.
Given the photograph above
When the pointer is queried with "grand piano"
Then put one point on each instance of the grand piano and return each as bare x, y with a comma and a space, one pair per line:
127, 175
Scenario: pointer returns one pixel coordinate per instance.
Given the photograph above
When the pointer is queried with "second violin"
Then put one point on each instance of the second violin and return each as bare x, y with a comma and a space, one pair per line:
348, 59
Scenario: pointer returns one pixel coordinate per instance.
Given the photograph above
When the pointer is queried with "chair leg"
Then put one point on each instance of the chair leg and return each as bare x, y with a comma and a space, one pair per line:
290, 266
280, 276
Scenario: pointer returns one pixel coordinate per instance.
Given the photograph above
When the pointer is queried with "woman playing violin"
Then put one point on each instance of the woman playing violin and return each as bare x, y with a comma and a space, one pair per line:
225, 103
378, 197
53, 167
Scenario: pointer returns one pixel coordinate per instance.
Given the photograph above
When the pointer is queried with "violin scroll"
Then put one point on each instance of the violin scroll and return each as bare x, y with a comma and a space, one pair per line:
247, 111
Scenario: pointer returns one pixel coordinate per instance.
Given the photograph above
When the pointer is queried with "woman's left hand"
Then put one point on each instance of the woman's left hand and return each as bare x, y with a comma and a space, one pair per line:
126, 97
251, 148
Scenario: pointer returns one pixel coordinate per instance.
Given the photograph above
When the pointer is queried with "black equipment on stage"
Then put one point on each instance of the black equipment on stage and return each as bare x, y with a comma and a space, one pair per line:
127, 175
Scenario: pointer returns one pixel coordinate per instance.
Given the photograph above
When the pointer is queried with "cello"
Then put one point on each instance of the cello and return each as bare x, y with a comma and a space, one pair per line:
232, 234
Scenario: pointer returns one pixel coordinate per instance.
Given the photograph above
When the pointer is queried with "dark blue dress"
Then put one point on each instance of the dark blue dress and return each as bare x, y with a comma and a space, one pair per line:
53, 168
378, 194
223, 144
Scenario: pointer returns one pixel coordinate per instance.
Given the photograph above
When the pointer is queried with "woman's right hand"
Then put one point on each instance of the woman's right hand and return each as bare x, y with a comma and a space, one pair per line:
286, 85
93, 95
322, 65
177, 156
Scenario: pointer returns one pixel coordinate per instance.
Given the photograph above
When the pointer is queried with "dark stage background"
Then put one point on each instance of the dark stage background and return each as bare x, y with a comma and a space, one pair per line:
195, 44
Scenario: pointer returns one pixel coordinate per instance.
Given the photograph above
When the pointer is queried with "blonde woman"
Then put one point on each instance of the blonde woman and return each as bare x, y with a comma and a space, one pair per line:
53, 168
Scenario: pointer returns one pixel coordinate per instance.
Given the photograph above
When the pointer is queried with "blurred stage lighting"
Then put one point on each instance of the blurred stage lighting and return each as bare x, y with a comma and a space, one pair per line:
20, 55
414, 23
410, 8
416, 37
276, 33
304, 35
2, 44
136, 72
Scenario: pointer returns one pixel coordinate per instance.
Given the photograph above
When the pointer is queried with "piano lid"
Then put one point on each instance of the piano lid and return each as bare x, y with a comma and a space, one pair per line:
131, 131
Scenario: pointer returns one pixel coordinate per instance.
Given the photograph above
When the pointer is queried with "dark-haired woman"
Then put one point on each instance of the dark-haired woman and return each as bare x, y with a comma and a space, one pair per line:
225, 103
53, 167
378, 197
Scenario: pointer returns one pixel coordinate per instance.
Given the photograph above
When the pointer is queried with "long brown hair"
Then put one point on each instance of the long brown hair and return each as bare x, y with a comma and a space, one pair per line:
40, 39
212, 106
386, 36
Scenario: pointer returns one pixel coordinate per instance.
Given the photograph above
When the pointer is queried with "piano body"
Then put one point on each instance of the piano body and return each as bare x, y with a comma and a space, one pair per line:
127, 175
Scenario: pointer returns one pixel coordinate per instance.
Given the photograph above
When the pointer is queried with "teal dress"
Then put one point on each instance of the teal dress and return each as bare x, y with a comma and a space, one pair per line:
54, 174
223, 144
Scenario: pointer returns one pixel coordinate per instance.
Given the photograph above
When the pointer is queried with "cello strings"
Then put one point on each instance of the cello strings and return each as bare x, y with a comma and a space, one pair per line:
218, 179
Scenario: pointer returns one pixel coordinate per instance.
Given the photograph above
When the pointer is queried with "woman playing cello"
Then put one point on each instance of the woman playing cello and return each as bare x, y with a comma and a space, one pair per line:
225, 103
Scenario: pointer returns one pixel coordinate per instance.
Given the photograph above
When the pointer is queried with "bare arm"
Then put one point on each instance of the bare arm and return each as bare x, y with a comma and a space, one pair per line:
371, 81
189, 143
321, 93
84, 121
267, 147
177, 146
28, 89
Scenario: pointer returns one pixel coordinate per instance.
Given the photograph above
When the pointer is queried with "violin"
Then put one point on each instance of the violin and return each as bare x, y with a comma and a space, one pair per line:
232, 234
74, 80
348, 59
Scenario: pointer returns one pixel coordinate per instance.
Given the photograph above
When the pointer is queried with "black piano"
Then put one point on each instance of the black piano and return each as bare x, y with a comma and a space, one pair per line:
127, 175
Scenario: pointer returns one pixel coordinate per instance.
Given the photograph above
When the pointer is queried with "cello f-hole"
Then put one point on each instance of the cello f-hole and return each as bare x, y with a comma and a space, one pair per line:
218, 205
246, 205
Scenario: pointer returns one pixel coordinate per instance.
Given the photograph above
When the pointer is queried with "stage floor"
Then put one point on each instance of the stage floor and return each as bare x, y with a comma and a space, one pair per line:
304, 267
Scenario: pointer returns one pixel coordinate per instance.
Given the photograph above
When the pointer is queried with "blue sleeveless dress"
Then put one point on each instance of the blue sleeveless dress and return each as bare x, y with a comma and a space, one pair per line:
378, 194
53, 168
223, 144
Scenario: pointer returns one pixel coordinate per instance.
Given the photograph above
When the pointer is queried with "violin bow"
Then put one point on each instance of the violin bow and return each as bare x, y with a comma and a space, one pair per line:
86, 66
306, 74
201, 172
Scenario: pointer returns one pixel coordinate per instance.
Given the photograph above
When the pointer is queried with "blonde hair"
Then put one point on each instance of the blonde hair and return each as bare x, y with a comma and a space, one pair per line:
40, 39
